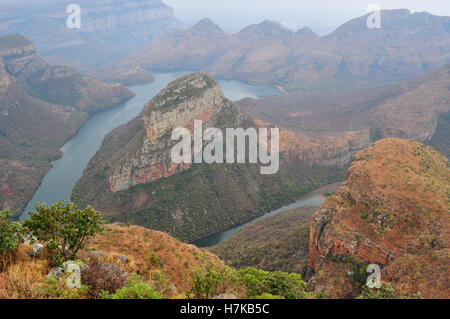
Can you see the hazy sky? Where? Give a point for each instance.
(321, 15)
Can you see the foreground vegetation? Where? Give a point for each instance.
(68, 233)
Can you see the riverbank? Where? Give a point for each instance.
(58, 182)
(314, 198)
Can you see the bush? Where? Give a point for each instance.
(103, 277)
(136, 289)
(64, 228)
(211, 281)
(11, 235)
(259, 282)
(384, 292)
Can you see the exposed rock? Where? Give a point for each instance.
(391, 211)
(109, 28)
(123, 259)
(56, 272)
(37, 248)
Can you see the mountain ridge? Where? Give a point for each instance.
(407, 45)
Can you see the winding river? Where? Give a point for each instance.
(314, 198)
(58, 183)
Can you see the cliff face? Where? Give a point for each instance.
(391, 211)
(56, 84)
(41, 106)
(407, 45)
(133, 178)
(176, 106)
(109, 28)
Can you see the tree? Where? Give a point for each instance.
(64, 228)
(11, 235)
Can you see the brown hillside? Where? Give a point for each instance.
(393, 210)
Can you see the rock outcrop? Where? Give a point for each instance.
(392, 211)
(109, 28)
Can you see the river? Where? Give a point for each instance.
(314, 198)
(59, 181)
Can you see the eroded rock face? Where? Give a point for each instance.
(195, 97)
(391, 211)
(108, 28)
(199, 97)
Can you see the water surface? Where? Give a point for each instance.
(58, 183)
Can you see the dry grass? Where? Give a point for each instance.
(151, 253)
(26, 275)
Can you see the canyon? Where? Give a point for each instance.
(109, 28)
(133, 171)
(41, 106)
(415, 109)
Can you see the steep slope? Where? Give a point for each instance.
(279, 242)
(132, 177)
(415, 109)
(41, 106)
(393, 211)
(406, 45)
(109, 28)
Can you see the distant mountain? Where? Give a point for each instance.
(406, 45)
(392, 211)
(132, 178)
(109, 28)
(416, 109)
(41, 106)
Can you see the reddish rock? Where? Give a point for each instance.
(391, 211)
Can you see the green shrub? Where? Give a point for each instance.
(211, 281)
(11, 235)
(64, 228)
(136, 289)
(384, 292)
(154, 260)
(259, 282)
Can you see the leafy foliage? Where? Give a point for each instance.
(384, 292)
(64, 228)
(211, 281)
(11, 235)
(259, 282)
(136, 289)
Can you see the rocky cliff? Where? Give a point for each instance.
(109, 28)
(41, 106)
(393, 210)
(406, 45)
(133, 178)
